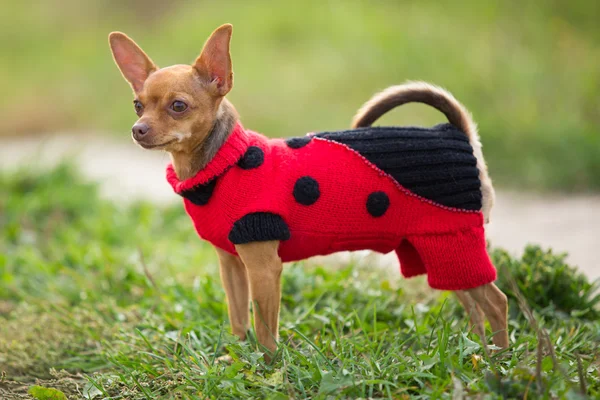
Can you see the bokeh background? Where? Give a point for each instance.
(529, 71)
(106, 289)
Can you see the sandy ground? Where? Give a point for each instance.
(565, 223)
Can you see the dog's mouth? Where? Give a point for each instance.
(151, 146)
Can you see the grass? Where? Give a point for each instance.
(99, 300)
(527, 70)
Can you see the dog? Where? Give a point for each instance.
(422, 192)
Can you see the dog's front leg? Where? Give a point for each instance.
(235, 283)
(264, 273)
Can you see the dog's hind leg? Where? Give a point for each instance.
(235, 283)
(495, 307)
(264, 274)
(473, 310)
(455, 261)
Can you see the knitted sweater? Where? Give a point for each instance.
(412, 190)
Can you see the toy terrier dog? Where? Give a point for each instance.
(421, 192)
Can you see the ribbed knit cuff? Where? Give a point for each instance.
(259, 227)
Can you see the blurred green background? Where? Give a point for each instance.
(529, 71)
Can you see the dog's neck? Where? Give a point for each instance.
(188, 164)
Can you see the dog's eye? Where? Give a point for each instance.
(178, 106)
(138, 107)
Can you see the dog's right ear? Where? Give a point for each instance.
(134, 64)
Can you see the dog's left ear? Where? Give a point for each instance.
(214, 62)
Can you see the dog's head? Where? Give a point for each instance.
(177, 105)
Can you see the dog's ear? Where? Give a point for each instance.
(134, 64)
(214, 62)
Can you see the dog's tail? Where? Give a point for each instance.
(457, 114)
(415, 92)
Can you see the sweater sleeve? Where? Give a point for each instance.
(259, 227)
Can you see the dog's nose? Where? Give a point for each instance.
(139, 130)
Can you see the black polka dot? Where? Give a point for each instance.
(298, 142)
(253, 158)
(200, 194)
(377, 203)
(306, 191)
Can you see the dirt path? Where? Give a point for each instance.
(565, 223)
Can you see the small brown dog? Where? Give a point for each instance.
(182, 110)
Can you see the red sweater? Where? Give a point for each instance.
(319, 196)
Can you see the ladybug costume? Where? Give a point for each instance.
(412, 190)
